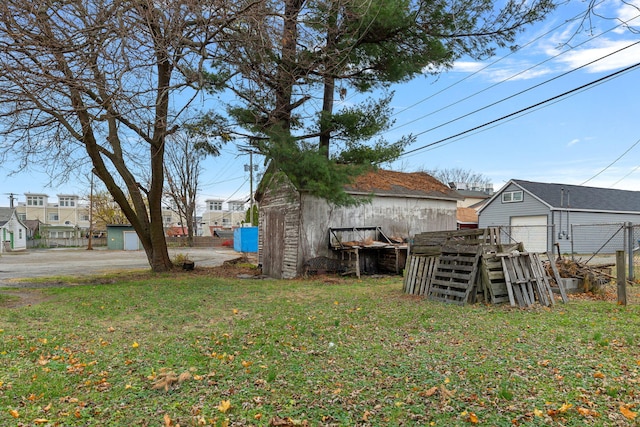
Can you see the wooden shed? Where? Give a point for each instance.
(295, 227)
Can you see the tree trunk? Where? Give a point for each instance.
(327, 110)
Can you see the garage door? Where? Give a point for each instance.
(531, 231)
(131, 242)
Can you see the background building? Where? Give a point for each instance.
(221, 215)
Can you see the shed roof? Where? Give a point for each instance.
(577, 197)
(391, 183)
(467, 215)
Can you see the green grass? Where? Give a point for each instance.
(350, 352)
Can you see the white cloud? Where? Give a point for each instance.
(573, 142)
(467, 66)
(580, 57)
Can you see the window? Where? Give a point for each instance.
(236, 206)
(53, 217)
(20, 233)
(215, 206)
(22, 216)
(35, 200)
(512, 196)
(84, 217)
(167, 220)
(67, 202)
(226, 221)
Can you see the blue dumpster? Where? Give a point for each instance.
(245, 239)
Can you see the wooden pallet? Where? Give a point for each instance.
(492, 280)
(454, 274)
(525, 279)
(418, 274)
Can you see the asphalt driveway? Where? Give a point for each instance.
(78, 262)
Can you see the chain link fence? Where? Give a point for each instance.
(591, 244)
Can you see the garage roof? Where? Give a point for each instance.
(577, 197)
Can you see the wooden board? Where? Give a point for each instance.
(556, 277)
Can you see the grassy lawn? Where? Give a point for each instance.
(190, 350)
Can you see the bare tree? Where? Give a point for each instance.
(106, 211)
(88, 81)
(184, 155)
(456, 176)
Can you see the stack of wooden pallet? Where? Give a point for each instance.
(472, 266)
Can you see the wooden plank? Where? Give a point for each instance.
(507, 278)
(419, 275)
(537, 262)
(424, 274)
(556, 276)
(431, 264)
(410, 275)
(406, 280)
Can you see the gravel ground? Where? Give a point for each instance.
(79, 262)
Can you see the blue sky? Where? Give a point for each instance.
(589, 137)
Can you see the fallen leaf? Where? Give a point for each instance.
(167, 421)
(628, 413)
(565, 407)
(598, 375)
(135, 344)
(586, 412)
(40, 421)
(473, 418)
(429, 392)
(224, 406)
(14, 413)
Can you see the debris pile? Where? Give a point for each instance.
(591, 278)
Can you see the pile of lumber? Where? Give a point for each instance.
(472, 266)
(593, 277)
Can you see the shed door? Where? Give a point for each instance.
(273, 246)
(531, 231)
(130, 240)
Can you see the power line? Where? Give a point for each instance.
(624, 177)
(582, 14)
(509, 78)
(614, 162)
(515, 113)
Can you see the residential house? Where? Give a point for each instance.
(66, 218)
(579, 219)
(474, 195)
(13, 233)
(295, 227)
(221, 215)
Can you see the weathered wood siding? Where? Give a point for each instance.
(397, 216)
(294, 228)
(278, 237)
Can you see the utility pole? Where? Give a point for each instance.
(12, 197)
(250, 167)
(90, 241)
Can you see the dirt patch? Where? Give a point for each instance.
(22, 298)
